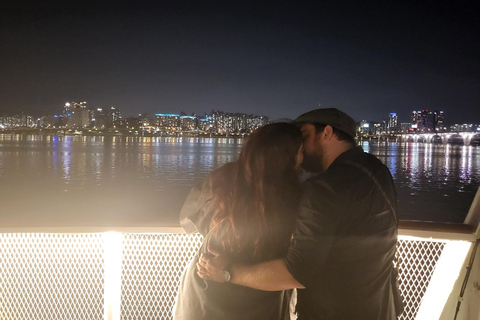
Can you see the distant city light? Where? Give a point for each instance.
(76, 115)
(167, 115)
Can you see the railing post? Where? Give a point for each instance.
(473, 216)
(113, 246)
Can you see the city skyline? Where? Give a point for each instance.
(78, 116)
(384, 117)
(280, 60)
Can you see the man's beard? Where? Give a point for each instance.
(313, 162)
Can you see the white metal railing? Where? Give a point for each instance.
(51, 276)
(136, 275)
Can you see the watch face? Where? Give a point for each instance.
(226, 276)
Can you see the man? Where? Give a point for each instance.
(342, 250)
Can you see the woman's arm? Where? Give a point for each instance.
(268, 276)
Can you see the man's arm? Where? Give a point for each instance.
(268, 276)
(314, 235)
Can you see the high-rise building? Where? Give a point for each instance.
(104, 118)
(130, 124)
(77, 114)
(217, 121)
(167, 122)
(145, 119)
(220, 121)
(188, 123)
(377, 128)
(364, 127)
(392, 123)
(415, 117)
(17, 121)
(384, 126)
(254, 122)
(439, 123)
(71, 106)
(206, 124)
(427, 121)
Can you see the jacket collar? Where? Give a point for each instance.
(348, 155)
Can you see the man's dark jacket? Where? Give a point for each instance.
(344, 244)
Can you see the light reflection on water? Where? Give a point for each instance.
(104, 179)
(149, 177)
(434, 182)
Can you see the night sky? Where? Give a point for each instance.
(273, 58)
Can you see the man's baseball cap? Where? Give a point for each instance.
(330, 116)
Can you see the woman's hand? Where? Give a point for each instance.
(210, 267)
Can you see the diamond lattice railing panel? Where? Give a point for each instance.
(51, 276)
(416, 264)
(59, 276)
(152, 266)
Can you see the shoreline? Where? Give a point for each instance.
(120, 133)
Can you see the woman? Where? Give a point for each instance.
(246, 212)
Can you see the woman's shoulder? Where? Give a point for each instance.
(195, 214)
(221, 176)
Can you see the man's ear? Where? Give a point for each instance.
(328, 133)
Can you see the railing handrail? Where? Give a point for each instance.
(93, 229)
(437, 230)
(422, 229)
(436, 226)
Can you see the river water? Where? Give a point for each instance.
(59, 181)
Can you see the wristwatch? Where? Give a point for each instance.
(227, 277)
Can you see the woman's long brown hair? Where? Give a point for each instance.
(256, 197)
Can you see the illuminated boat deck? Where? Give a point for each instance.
(134, 273)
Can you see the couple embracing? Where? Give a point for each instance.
(332, 237)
